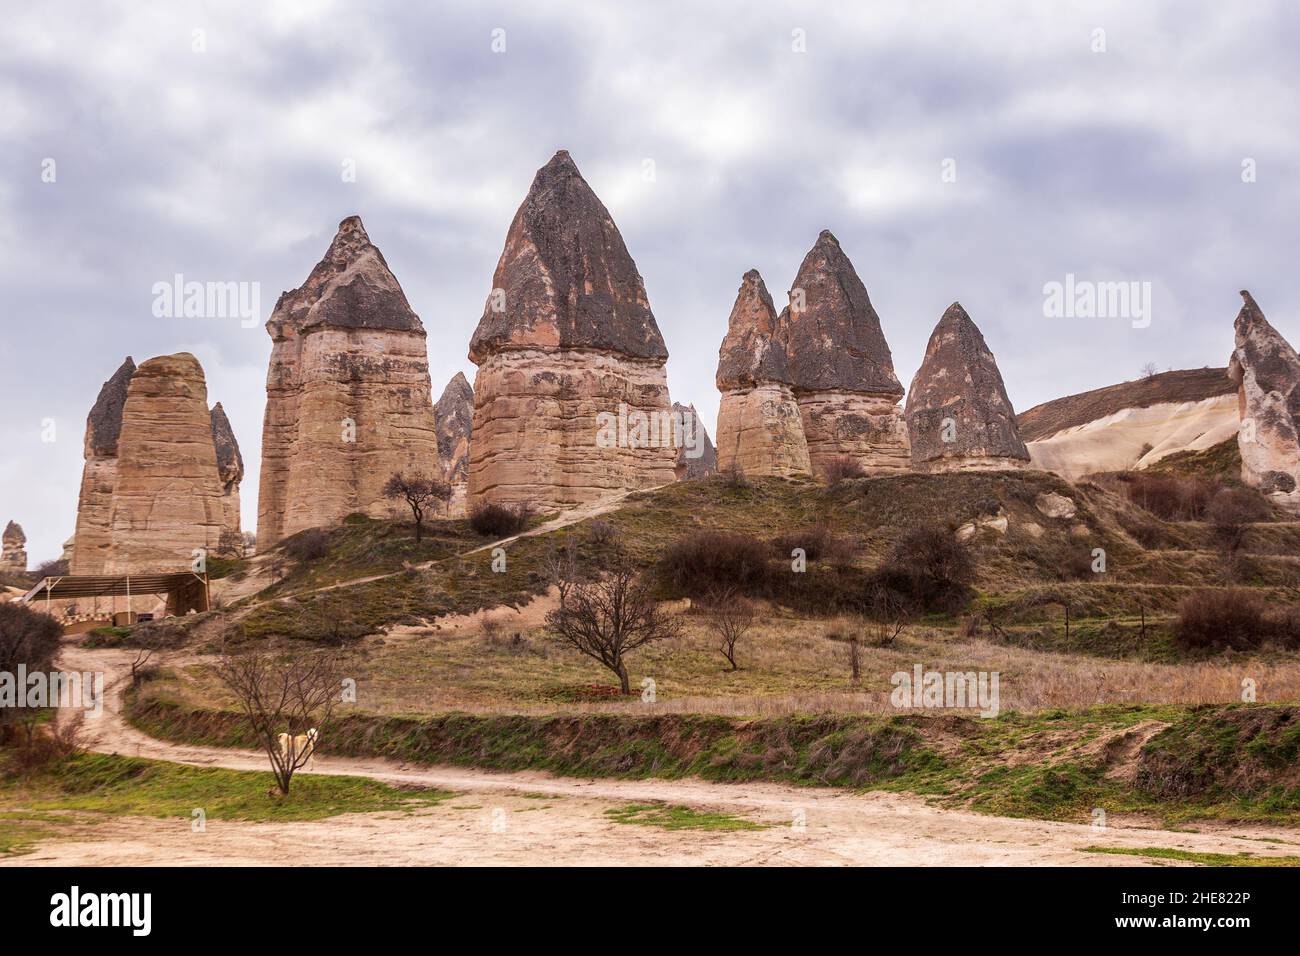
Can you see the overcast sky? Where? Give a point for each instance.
(219, 155)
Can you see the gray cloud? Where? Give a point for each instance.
(225, 165)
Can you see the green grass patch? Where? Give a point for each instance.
(1191, 856)
(669, 817)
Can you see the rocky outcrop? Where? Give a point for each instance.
(571, 399)
(347, 393)
(1131, 425)
(453, 416)
(230, 466)
(760, 429)
(167, 498)
(840, 367)
(13, 549)
(99, 473)
(1266, 370)
(959, 417)
(696, 456)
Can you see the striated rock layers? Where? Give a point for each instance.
(453, 416)
(840, 367)
(347, 393)
(760, 429)
(167, 498)
(571, 398)
(99, 474)
(13, 549)
(1267, 372)
(230, 466)
(696, 456)
(958, 415)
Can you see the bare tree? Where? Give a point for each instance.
(28, 639)
(419, 493)
(284, 695)
(609, 617)
(1149, 369)
(886, 616)
(562, 567)
(230, 544)
(733, 618)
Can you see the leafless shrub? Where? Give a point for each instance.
(230, 544)
(498, 521)
(610, 617)
(308, 546)
(30, 640)
(284, 695)
(733, 477)
(842, 468)
(732, 618)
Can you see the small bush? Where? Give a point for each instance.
(929, 569)
(842, 468)
(498, 521)
(308, 546)
(1230, 511)
(818, 541)
(1217, 620)
(704, 562)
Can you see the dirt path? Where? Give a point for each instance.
(533, 818)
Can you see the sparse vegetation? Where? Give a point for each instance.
(498, 521)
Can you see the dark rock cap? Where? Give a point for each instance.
(13, 534)
(453, 415)
(351, 288)
(104, 423)
(751, 352)
(835, 341)
(565, 278)
(230, 464)
(959, 380)
(1268, 355)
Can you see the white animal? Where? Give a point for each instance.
(299, 750)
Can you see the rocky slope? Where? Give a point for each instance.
(348, 392)
(1132, 424)
(571, 396)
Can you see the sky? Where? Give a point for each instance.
(959, 151)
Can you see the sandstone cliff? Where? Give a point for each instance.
(840, 366)
(453, 415)
(230, 466)
(571, 399)
(959, 417)
(696, 456)
(167, 498)
(347, 393)
(1266, 370)
(99, 474)
(760, 430)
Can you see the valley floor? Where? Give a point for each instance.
(534, 819)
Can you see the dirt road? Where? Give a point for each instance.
(530, 818)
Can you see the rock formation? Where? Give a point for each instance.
(1133, 424)
(571, 399)
(13, 549)
(958, 415)
(167, 499)
(347, 393)
(1267, 372)
(840, 367)
(99, 474)
(453, 416)
(760, 430)
(230, 466)
(696, 456)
